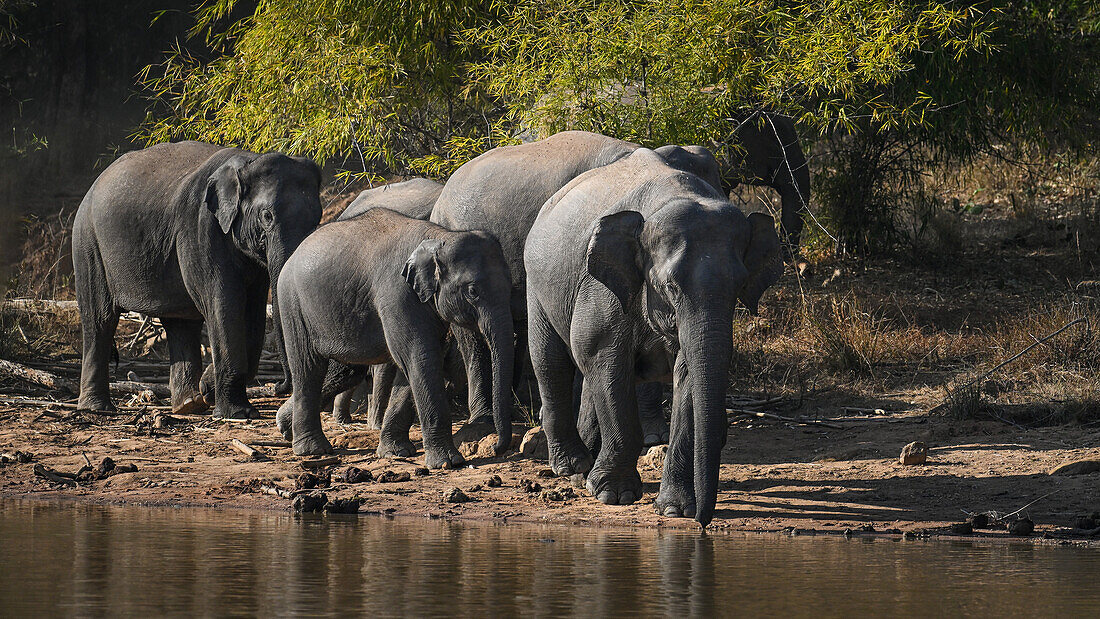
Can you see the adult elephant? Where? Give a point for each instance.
(633, 271)
(502, 190)
(412, 198)
(190, 232)
(766, 152)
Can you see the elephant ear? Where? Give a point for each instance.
(763, 260)
(421, 271)
(614, 254)
(224, 191)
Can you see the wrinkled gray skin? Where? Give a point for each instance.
(770, 155)
(190, 232)
(633, 271)
(501, 192)
(413, 198)
(392, 299)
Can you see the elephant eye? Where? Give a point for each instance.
(472, 291)
(266, 217)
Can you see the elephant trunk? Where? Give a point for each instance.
(707, 343)
(496, 327)
(275, 262)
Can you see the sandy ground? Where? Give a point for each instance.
(776, 476)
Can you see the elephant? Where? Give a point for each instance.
(190, 232)
(413, 198)
(767, 152)
(633, 271)
(354, 303)
(501, 192)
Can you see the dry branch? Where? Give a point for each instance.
(773, 417)
(56, 477)
(38, 377)
(251, 452)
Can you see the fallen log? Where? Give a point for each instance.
(131, 387)
(33, 402)
(42, 378)
(272, 443)
(774, 417)
(318, 463)
(56, 477)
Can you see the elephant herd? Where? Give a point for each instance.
(612, 268)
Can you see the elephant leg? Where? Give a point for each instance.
(614, 477)
(455, 371)
(652, 414)
(185, 355)
(677, 495)
(341, 406)
(98, 321)
(382, 377)
(587, 424)
(479, 372)
(340, 379)
(229, 332)
(418, 353)
(299, 418)
(400, 413)
(554, 371)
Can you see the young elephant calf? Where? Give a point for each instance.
(383, 286)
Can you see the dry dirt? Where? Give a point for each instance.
(776, 475)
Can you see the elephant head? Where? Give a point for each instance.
(267, 204)
(691, 261)
(466, 277)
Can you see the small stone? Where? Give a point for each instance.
(390, 477)
(530, 486)
(356, 475)
(577, 480)
(309, 481)
(655, 458)
(533, 444)
(421, 471)
(455, 495)
(546, 474)
(1023, 526)
(914, 453)
(494, 482)
(867, 528)
(962, 528)
(310, 503)
(1078, 467)
(476, 488)
(978, 521)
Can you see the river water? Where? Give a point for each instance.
(66, 559)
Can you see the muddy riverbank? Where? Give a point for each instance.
(841, 473)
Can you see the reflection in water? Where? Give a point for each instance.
(129, 560)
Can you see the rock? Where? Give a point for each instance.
(487, 447)
(473, 432)
(530, 486)
(962, 528)
(356, 439)
(421, 471)
(1077, 467)
(309, 481)
(914, 453)
(342, 506)
(655, 458)
(533, 444)
(390, 477)
(494, 482)
(978, 521)
(455, 495)
(1023, 526)
(468, 449)
(310, 503)
(356, 475)
(558, 494)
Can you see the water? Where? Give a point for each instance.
(65, 559)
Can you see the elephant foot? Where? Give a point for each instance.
(190, 406)
(483, 418)
(655, 433)
(395, 448)
(676, 498)
(236, 411)
(312, 444)
(95, 403)
(342, 417)
(567, 460)
(284, 420)
(283, 388)
(619, 486)
(446, 458)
